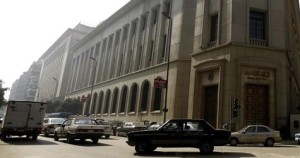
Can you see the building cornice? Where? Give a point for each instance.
(106, 23)
(236, 44)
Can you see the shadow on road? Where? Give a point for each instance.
(197, 154)
(262, 146)
(86, 143)
(24, 141)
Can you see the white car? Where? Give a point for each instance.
(79, 128)
(297, 138)
(255, 134)
(50, 124)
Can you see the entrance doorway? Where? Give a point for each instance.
(256, 104)
(210, 104)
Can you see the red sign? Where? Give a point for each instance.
(160, 83)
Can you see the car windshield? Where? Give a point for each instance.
(57, 120)
(85, 121)
(103, 123)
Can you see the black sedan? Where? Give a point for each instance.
(195, 133)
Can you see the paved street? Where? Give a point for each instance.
(115, 147)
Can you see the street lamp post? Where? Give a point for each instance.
(93, 79)
(56, 85)
(165, 14)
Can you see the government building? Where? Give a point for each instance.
(231, 63)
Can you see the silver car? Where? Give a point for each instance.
(79, 128)
(49, 125)
(255, 134)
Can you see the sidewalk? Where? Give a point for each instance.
(289, 141)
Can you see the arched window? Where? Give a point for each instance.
(107, 101)
(145, 94)
(87, 107)
(94, 103)
(100, 103)
(123, 99)
(133, 98)
(115, 100)
(157, 99)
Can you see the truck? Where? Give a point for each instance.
(23, 118)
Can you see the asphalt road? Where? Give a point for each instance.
(116, 147)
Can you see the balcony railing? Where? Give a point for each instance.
(258, 42)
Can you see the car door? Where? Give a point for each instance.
(192, 133)
(62, 130)
(168, 135)
(248, 135)
(262, 134)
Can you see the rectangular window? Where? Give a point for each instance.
(144, 20)
(154, 13)
(296, 124)
(257, 25)
(167, 7)
(151, 52)
(213, 28)
(164, 48)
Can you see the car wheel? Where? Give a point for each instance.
(70, 140)
(95, 140)
(56, 138)
(299, 142)
(206, 148)
(46, 134)
(233, 142)
(269, 142)
(142, 148)
(27, 137)
(34, 137)
(3, 137)
(107, 136)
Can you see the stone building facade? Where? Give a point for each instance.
(56, 64)
(249, 51)
(219, 51)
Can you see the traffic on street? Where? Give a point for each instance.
(116, 147)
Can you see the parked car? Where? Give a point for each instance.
(154, 126)
(255, 134)
(50, 124)
(178, 133)
(115, 124)
(129, 127)
(297, 138)
(108, 131)
(79, 128)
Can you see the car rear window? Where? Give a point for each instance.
(85, 122)
(57, 121)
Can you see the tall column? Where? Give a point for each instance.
(119, 55)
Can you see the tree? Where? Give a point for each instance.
(69, 105)
(2, 92)
(53, 106)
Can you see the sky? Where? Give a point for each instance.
(29, 27)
